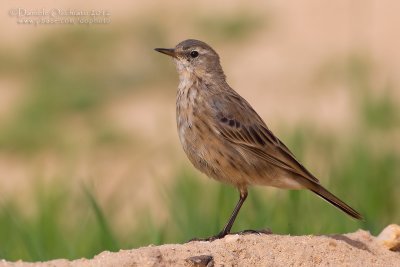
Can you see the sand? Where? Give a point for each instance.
(354, 249)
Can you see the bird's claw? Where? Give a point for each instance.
(222, 235)
(258, 232)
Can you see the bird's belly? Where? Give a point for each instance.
(207, 153)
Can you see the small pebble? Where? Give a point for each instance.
(201, 261)
(390, 237)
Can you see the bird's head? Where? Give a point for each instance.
(193, 57)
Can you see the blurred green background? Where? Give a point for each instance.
(89, 155)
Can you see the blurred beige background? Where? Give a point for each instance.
(287, 63)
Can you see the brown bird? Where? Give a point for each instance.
(225, 138)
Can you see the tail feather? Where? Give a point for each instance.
(328, 196)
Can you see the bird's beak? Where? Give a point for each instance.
(167, 51)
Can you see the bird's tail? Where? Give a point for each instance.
(328, 196)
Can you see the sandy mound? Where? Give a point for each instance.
(355, 249)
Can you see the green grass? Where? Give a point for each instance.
(52, 232)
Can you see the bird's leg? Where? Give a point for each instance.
(228, 226)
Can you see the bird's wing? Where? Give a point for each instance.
(240, 125)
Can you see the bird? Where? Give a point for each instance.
(225, 138)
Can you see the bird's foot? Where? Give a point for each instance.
(258, 232)
(222, 234)
(211, 238)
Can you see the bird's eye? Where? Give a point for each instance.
(194, 54)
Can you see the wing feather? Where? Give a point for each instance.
(249, 132)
